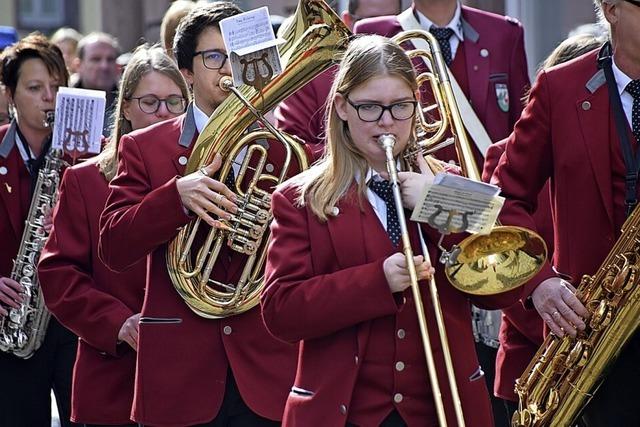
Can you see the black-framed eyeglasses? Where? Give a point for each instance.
(368, 112)
(150, 104)
(212, 59)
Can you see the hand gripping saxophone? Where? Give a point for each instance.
(22, 331)
(565, 372)
(314, 37)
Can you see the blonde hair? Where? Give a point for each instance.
(145, 59)
(328, 181)
(178, 10)
(66, 34)
(572, 47)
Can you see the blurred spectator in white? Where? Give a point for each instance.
(98, 70)
(170, 21)
(592, 29)
(67, 40)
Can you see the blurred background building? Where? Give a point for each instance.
(546, 22)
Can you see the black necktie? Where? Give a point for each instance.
(443, 35)
(384, 191)
(230, 179)
(633, 88)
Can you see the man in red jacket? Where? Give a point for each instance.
(487, 59)
(573, 133)
(190, 370)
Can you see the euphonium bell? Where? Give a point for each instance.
(313, 38)
(482, 264)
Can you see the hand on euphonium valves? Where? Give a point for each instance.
(397, 273)
(412, 183)
(10, 294)
(205, 196)
(558, 306)
(129, 331)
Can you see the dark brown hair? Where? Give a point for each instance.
(35, 45)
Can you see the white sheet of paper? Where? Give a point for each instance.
(79, 119)
(249, 38)
(446, 209)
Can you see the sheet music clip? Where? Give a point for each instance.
(252, 47)
(79, 117)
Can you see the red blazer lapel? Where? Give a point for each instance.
(10, 189)
(477, 66)
(346, 232)
(591, 109)
(345, 229)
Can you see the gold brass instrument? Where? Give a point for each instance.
(313, 38)
(387, 142)
(482, 264)
(565, 372)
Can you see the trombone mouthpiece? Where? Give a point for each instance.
(225, 83)
(387, 140)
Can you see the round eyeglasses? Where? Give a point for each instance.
(150, 104)
(212, 59)
(373, 112)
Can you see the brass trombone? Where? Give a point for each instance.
(482, 264)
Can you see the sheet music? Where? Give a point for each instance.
(78, 122)
(456, 204)
(252, 47)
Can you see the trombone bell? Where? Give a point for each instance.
(489, 264)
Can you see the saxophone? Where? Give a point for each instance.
(565, 372)
(22, 331)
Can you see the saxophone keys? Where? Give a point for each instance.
(601, 315)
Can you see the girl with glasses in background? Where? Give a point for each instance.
(101, 306)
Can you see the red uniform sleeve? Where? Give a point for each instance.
(137, 218)
(65, 275)
(525, 167)
(299, 304)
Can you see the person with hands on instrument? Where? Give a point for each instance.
(31, 70)
(336, 277)
(101, 306)
(237, 374)
(573, 134)
(204, 195)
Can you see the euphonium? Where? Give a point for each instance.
(565, 372)
(22, 331)
(313, 38)
(482, 264)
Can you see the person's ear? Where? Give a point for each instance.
(188, 75)
(126, 109)
(340, 104)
